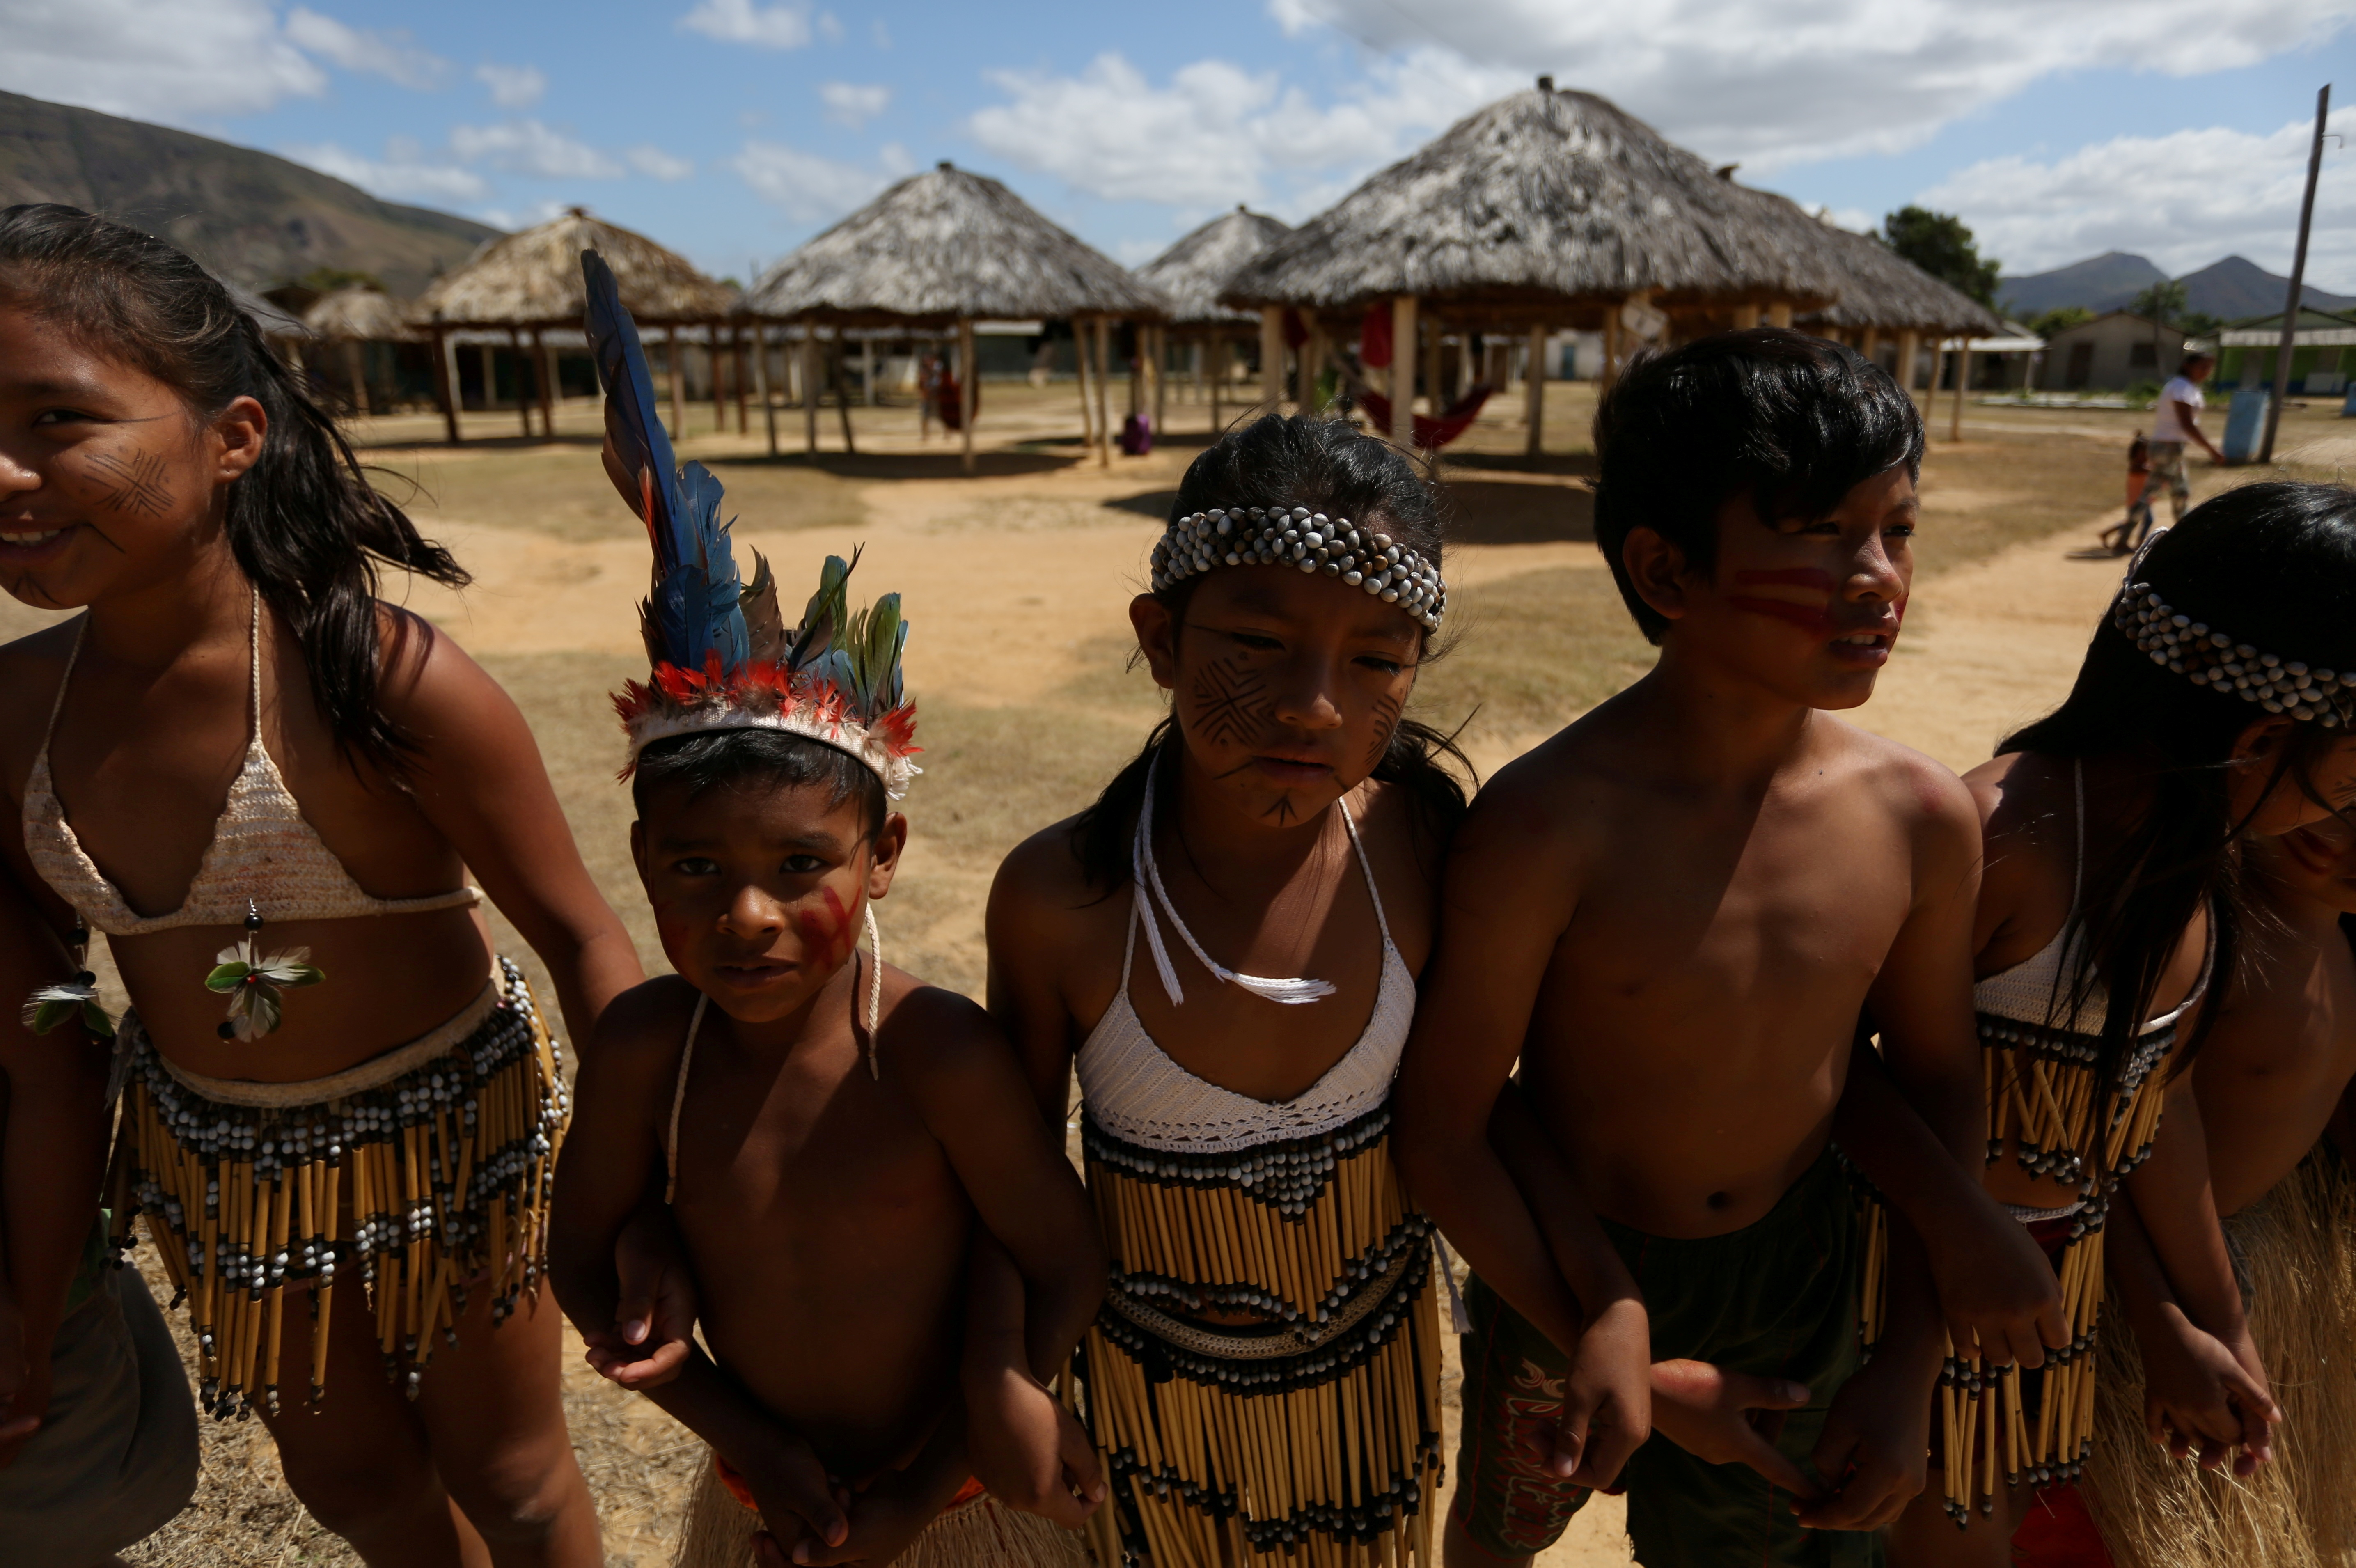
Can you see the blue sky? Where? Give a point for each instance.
(732, 129)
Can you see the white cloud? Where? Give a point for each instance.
(389, 55)
(1781, 81)
(807, 188)
(1217, 133)
(529, 147)
(785, 26)
(654, 161)
(2182, 199)
(513, 86)
(847, 103)
(170, 61)
(403, 174)
(829, 27)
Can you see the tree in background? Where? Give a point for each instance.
(2163, 306)
(2060, 319)
(1941, 245)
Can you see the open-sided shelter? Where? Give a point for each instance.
(1884, 297)
(1545, 212)
(940, 251)
(1192, 274)
(531, 284)
(349, 322)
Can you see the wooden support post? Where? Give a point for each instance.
(761, 382)
(551, 391)
(1962, 378)
(1271, 359)
(1780, 313)
(1219, 354)
(523, 365)
(967, 376)
(736, 375)
(1612, 356)
(1104, 395)
(1869, 341)
(1746, 317)
(445, 380)
(867, 371)
(678, 382)
(838, 365)
(356, 373)
(711, 356)
(1909, 346)
(1537, 391)
(1082, 332)
(1403, 371)
(1138, 336)
(808, 357)
(1161, 379)
(1312, 368)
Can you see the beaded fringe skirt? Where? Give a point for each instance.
(1308, 1429)
(418, 1178)
(2296, 1251)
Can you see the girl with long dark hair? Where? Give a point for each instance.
(2213, 707)
(270, 789)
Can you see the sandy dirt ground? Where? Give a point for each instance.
(1017, 583)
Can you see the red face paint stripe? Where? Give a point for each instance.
(1790, 578)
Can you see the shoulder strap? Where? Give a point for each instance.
(1366, 867)
(57, 703)
(678, 1099)
(253, 663)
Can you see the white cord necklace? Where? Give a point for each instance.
(1148, 875)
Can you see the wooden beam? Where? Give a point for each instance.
(1082, 331)
(1780, 313)
(1869, 341)
(837, 374)
(356, 373)
(1219, 355)
(551, 391)
(1909, 346)
(523, 363)
(1104, 393)
(1161, 379)
(808, 357)
(1271, 359)
(1537, 391)
(761, 382)
(1746, 317)
(445, 380)
(736, 374)
(1610, 345)
(678, 382)
(1963, 377)
(969, 377)
(1403, 371)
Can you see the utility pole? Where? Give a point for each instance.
(2298, 273)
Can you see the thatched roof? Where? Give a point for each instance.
(534, 278)
(273, 322)
(361, 312)
(1883, 290)
(942, 245)
(1192, 271)
(1545, 205)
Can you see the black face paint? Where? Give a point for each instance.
(133, 484)
(1230, 704)
(1387, 718)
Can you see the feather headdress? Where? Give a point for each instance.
(722, 657)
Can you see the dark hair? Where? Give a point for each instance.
(307, 529)
(767, 758)
(1328, 465)
(2198, 357)
(2272, 563)
(1793, 421)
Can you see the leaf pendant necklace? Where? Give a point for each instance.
(255, 986)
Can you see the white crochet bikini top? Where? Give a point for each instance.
(262, 850)
(1135, 1091)
(2035, 990)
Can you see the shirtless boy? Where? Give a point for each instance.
(1674, 913)
(829, 1153)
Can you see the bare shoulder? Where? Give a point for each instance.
(1043, 900)
(932, 1039)
(30, 669)
(1553, 799)
(427, 681)
(638, 1037)
(1923, 792)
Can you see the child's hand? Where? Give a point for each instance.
(885, 1519)
(654, 1322)
(1997, 1289)
(2205, 1396)
(1873, 1451)
(1607, 1405)
(803, 1508)
(1730, 1418)
(1031, 1452)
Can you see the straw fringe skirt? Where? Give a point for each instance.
(978, 1533)
(2298, 1248)
(419, 1176)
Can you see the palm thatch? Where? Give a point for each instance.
(1882, 291)
(945, 245)
(534, 279)
(1192, 271)
(1544, 206)
(361, 313)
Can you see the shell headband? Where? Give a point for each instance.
(722, 654)
(1273, 536)
(2207, 657)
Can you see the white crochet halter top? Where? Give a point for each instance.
(264, 854)
(1135, 1091)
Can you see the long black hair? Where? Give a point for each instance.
(2271, 563)
(306, 527)
(1328, 465)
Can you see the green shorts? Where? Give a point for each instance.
(1777, 1298)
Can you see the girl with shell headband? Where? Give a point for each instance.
(2213, 707)
(1264, 1377)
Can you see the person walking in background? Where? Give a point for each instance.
(2125, 535)
(2175, 421)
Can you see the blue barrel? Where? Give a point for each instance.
(2348, 407)
(2246, 424)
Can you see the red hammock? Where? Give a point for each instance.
(1430, 434)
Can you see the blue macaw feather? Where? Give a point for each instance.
(694, 609)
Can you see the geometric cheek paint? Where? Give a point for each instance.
(828, 936)
(1805, 602)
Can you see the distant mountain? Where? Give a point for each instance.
(255, 219)
(2099, 283)
(2237, 287)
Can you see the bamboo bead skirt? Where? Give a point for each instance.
(426, 1172)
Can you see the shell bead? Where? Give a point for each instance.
(1234, 536)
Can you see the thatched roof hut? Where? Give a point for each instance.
(361, 313)
(1883, 292)
(533, 279)
(1195, 271)
(940, 251)
(1545, 204)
